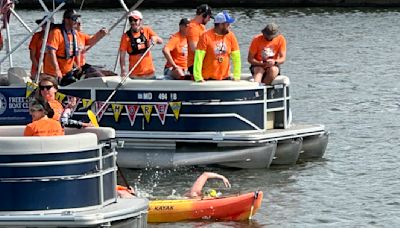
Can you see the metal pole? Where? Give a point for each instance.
(9, 52)
(33, 31)
(44, 5)
(20, 20)
(42, 50)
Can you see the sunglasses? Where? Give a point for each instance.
(47, 87)
(132, 19)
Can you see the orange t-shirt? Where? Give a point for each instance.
(145, 67)
(264, 49)
(194, 31)
(36, 44)
(178, 47)
(216, 64)
(57, 108)
(44, 127)
(56, 42)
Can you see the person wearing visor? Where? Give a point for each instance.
(35, 46)
(63, 47)
(175, 51)
(197, 27)
(266, 53)
(42, 123)
(135, 42)
(214, 50)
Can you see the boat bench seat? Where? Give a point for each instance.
(12, 140)
(18, 76)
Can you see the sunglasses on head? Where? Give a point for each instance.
(43, 87)
(132, 19)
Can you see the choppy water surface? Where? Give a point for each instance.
(344, 68)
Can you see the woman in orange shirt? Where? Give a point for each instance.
(48, 87)
(41, 124)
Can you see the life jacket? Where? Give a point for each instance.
(139, 44)
(75, 51)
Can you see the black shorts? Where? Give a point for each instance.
(190, 69)
(252, 69)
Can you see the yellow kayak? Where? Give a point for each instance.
(234, 208)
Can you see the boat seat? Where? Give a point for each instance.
(103, 133)
(281, 79)
(46, 144)
(18, 76)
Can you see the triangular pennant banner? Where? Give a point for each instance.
(60, 97)
(86, 102)
(99, 104)
(132, 110)
(161, 110)
(176, 108)
(73, 102)
(117, 109)
(30, 87)
(147, 109)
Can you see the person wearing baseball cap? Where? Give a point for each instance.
(267, 53)
(136, 41)
(196, 27)
(175, 51)
(214, 50)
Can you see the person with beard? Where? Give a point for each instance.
(214, 50)
(196, 27)
(135, 42)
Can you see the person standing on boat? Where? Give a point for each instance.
(214, 49)
(42, 123)
(35, 46)
(197, 27)
(175, 51)
(48, 87)
(135, 42)
(198, 185)
(63, 47)
(266, 53)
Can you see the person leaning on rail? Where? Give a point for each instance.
(136, 41)
(42, 122)
(196, 27)
(214, 50)
(266, 53)
(63, 47)
(175, 51)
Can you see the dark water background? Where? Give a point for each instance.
(344, 69)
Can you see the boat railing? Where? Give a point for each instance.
(61, 172)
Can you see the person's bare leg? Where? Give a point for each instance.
(258, 74)
(270, 75)
(177, 73)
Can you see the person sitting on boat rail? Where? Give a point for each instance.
(42, 123)
(135, 42)
(266, 53)
(62, 46)
(35, 46)
(198, 185)
(175, 51)
(214, 49)
(48, 88)
(197, 27)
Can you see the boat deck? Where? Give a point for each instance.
(133, 208)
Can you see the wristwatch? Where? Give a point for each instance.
(276, 63)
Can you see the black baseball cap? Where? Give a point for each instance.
(70, 14)
(184, 21)
(204, 9)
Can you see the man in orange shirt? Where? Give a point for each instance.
(63, 46)
(266, 53)
(175, 51)
(214, 49)
(197, 27)
(35, 46)
(135, 42)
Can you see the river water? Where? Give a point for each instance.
(344, 69)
